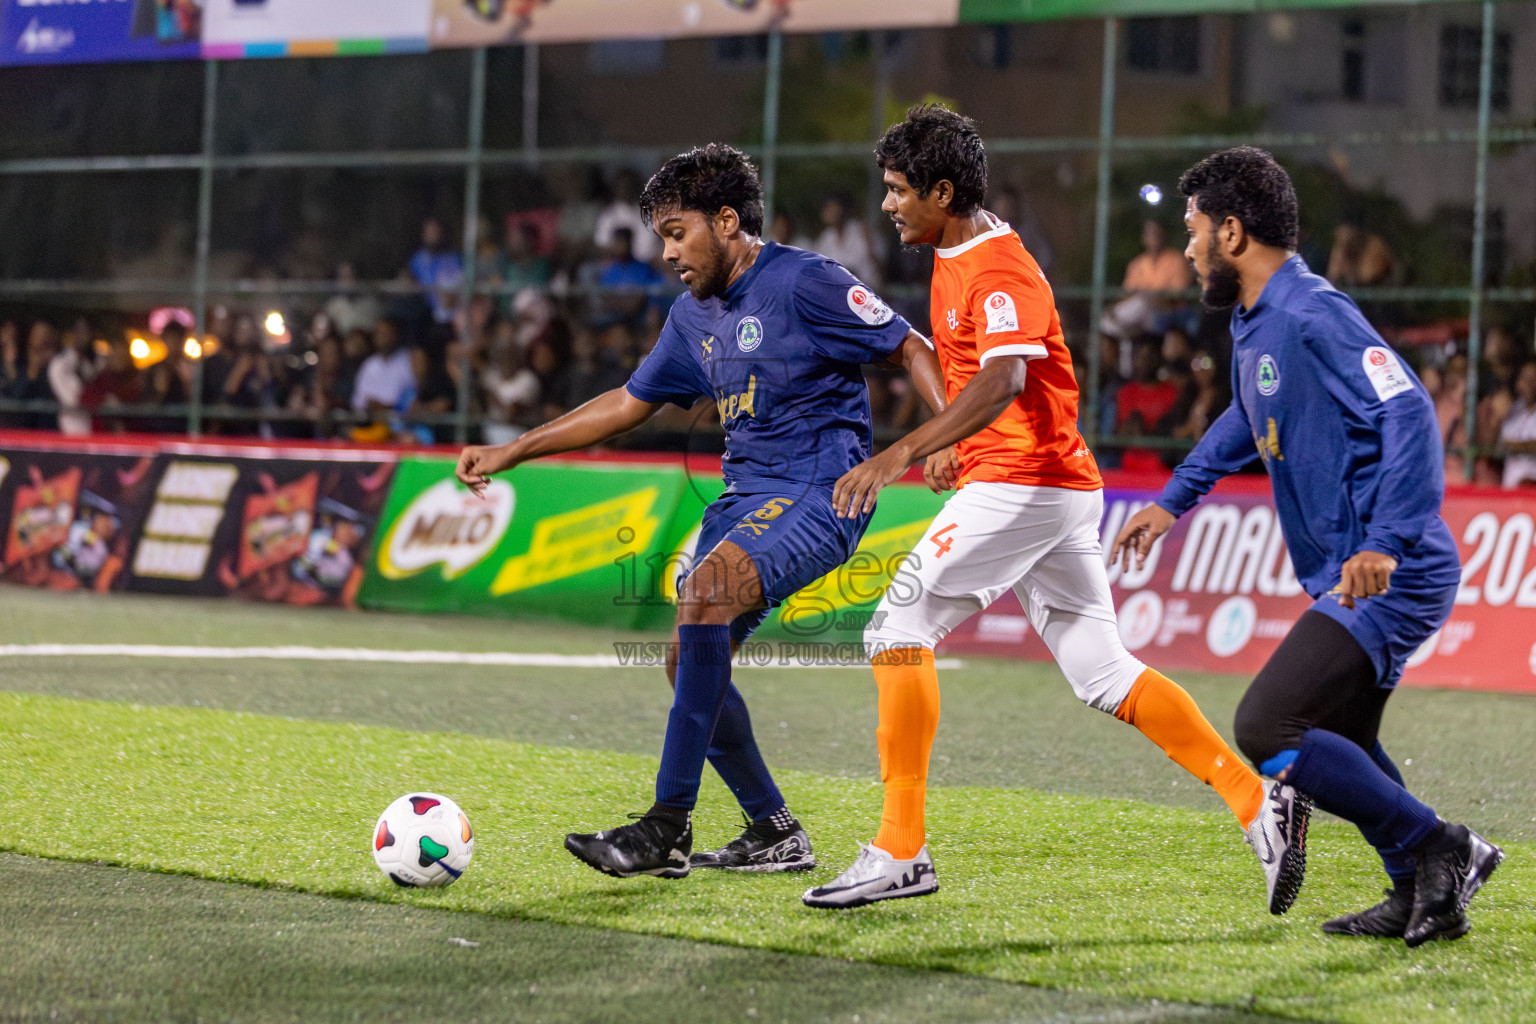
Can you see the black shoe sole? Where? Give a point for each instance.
(1293, 867)
(1347, 929)
(575, 851)
(1456, 925)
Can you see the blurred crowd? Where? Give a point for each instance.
(566, 301)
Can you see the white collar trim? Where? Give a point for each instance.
(999, 230)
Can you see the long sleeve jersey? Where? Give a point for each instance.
(1346, 431)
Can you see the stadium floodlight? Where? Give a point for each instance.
(1151, 194)
(275, 325)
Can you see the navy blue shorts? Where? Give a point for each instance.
(793, 538)
(1390, 627)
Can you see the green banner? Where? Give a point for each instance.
(547, 539)
(599, 543)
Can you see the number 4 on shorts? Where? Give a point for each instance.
(941, 542)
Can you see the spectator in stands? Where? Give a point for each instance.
(511, 390)
(438, 269)
(356, 347)
(1496, 390)
(432, 393)
(1142, 407)
(783, 231)
(1206, 397)
(1359, 258)
(384, 377)
(624, 212)
(117, 384)
(169, 382)
(1451, 412)
(845, 239)
(68, 374)
(31, 382)
(350, 309)
(1517, 436)
(597, 365)
(522, 266)
(245, 378)
(1159, 267)
(628, 285)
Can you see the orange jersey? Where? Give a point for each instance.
(990, 299)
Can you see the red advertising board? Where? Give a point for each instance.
(1217, 594)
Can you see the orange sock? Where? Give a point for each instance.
(1168, 716)
(909, 717)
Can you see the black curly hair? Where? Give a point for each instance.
(1246, 183)
(936, 144)
(707, 179)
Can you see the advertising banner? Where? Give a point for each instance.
(304, 28)
(288, 530)
(491, 22)
(1218, 593)
(86, 31)
(68, 518)
(587, 542)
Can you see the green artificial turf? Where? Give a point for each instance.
(93, 942)
(1111, 897)
(1005, 723)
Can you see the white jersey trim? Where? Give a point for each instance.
(999, 230)
(1027, 351)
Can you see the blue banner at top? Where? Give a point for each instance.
(86, 31)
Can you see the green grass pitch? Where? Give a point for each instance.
(1072, 856)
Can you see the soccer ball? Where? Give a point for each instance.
(423, 841)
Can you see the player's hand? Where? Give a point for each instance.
(1138, 535)
(855, 491)
(478, 461)
(1367, 574)
(942, 470)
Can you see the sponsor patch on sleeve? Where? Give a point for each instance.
(1385, 373)
(1002, 315)
(867, 306)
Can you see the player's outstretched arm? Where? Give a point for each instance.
(981, 401)
(607, 415)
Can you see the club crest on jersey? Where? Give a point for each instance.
(1269, 376)
(749, 334)
(866, 305)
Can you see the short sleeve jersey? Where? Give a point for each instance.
(780, 354)
(991, 299)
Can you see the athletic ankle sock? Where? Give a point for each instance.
(676, 816)
(909, 717)
(703, 672)
(734, 755)
(1400, 867)
(1342, 779)
(781, 819)
(1169, 717)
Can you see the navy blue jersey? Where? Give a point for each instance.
(779, 353)
(1347, 432)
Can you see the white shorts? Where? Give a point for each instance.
(1041, 541)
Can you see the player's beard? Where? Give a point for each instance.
(710, 280)
(1222, 283)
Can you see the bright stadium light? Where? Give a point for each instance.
(275, 325)
(138, 348)
(193, 349)
(1151, 194)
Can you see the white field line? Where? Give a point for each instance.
(364, 654)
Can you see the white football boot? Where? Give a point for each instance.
(876, 875)
(1279, 839)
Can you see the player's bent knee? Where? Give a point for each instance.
(1259, 733)
(887, 632)
(1105, 687)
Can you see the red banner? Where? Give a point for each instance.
(1218, 593)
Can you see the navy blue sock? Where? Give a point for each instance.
(1400, 867)
(1343, 779)
(703, 676)
(733, 753)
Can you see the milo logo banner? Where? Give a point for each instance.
(289, 530)
(583, 542)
